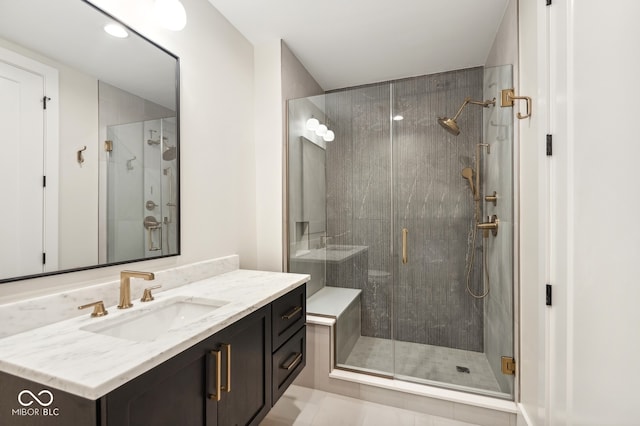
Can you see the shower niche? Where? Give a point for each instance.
(434, 292)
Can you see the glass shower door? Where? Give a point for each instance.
(442, 327)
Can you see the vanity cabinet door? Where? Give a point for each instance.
(246, 398)
(172, 393)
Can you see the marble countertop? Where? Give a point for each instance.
(91, 365)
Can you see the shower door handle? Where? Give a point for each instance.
(405, 256)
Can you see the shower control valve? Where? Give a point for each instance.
(490, 225)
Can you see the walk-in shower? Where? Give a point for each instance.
(394, 219)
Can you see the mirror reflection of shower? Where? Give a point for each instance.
(143, 172)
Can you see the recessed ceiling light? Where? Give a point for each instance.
(116, 30)
(398, 117)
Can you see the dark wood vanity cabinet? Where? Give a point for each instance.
(288, 319)
(223, 380)
(231, 378)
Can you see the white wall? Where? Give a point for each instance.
(218, 194)
(269, 152)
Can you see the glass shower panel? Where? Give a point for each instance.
(440, 323)
(125, 177)
(359, 194)
(499, 179)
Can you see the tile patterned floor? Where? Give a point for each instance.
(426, 362)
(310, 407)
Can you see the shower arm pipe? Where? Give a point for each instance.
(484, 104)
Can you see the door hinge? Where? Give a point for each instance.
(549, 2)
(548, 298)
(508, 365)
(44, 102)
(108, 146)
(549, 145)
(44, 181)
(44, 258)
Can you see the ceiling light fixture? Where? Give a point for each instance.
(116, 30)
(170, 14)
(398, 117)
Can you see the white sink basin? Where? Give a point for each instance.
(149, 324)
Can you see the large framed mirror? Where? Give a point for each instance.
(89, 169)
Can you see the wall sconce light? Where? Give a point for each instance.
(321, 130)
(170, 14)
(314, 125)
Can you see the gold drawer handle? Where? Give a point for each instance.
(217, 395)
(296, 360)
(227, 387)
(292, 313)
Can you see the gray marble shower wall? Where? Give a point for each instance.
(384, 175)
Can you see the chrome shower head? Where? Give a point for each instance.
(450, 124)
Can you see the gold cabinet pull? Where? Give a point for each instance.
(292, 313)
(291, 364)
(216, 396)
(405, 256)
(227, 387)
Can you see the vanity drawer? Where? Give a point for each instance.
(288, 361)
(289, 313)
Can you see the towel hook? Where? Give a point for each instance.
(80, 156)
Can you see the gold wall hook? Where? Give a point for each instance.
(508, 97)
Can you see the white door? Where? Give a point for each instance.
(21, 172)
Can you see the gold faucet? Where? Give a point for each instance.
(125, 286)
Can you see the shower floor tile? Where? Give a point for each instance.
(426, 362)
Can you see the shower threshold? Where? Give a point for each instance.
(449, 368)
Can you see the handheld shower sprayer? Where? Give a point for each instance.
(467, 173)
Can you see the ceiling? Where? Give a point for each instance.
(345, 43)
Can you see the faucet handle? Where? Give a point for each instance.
(98, 308)
(146, 295)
